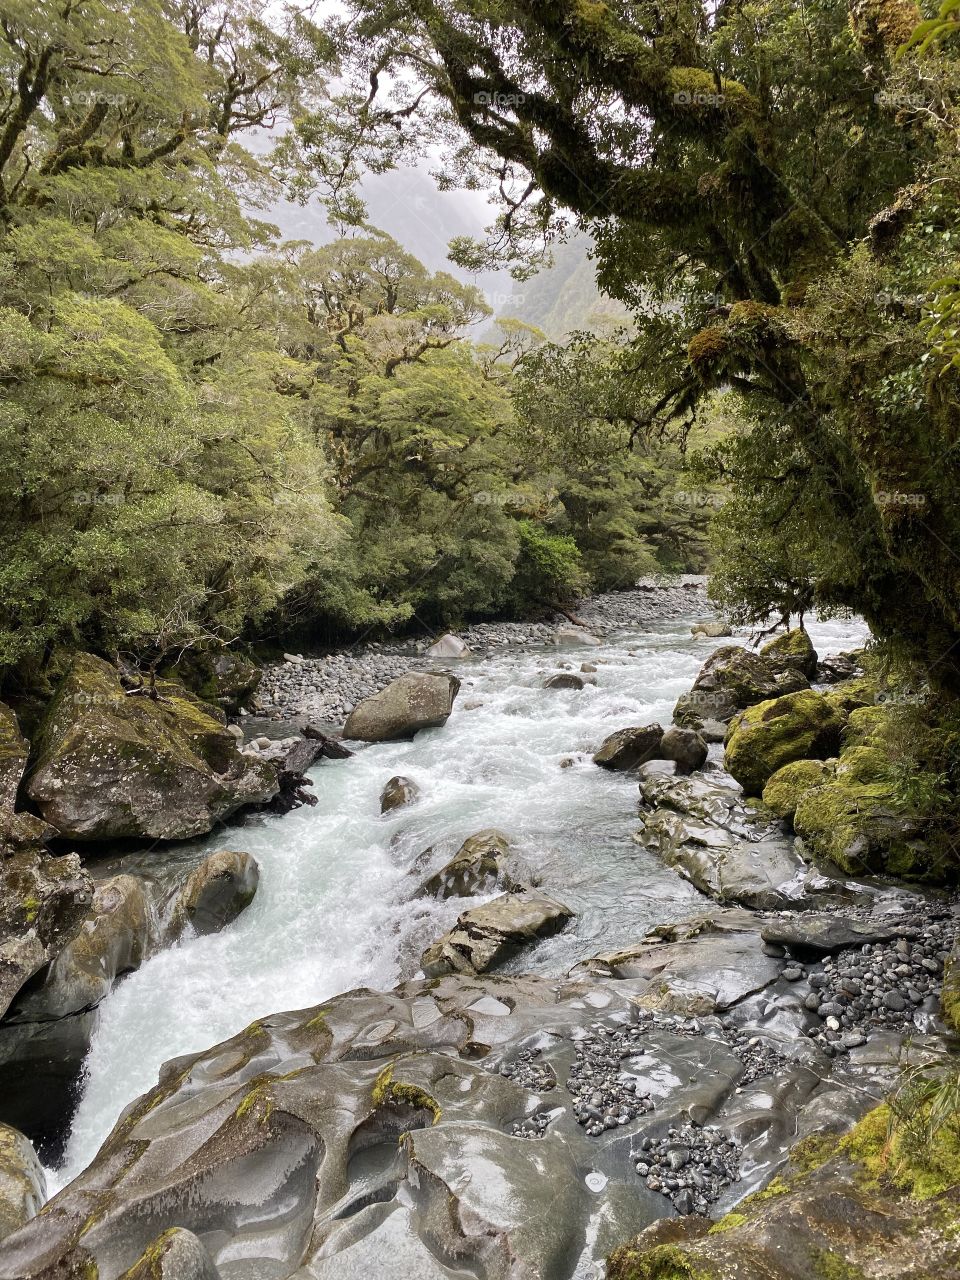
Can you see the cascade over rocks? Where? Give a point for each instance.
(484, 863)
(485, 936)
(413, 702)
(108, 764)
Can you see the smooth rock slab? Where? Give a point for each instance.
(487, 935)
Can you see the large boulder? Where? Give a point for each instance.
(110, 764)
(485, 936)
(215, 893)
(225, 679)
(860, 828)
(629, 748)
(23, 1186)
(792, 651)
(484, 863)
(730, 680)
(415, 701)
(785, 788)
(765, 737)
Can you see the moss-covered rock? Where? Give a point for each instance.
(767, 736)
(868, 726)
(731, 679)
(950, 992)
(849, 695)
(224, 679)
(858, 827)
(14, 750)
(215, 893)
(22, 1182)
(784, 788)
(109, 764)
(177, 1254)
(792, 650)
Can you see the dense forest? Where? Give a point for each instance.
(730, 350)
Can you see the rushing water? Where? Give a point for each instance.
(334, 910)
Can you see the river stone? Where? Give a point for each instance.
(765, 737)
(408, 704)
(485, 936)
(397, 792)
(575, 636)
(713, 629)
(822, 934)
(366, 1138)
(448, 646)
(564, 680)
(111, 765)
(215, 893)
(731, 679)
(792, 651)
(23, 1186)
(685, 746)
(629, 748)
(484, 863)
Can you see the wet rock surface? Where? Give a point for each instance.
(22, 1181)
(484, 863)
(390, 1127)
(485, 936)
(408, 704)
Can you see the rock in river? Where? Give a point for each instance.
(215, 893)
(629, 748)
(109, 764)
(484, 862)
(411, 703)
(487, 935)
(765, 737)
(685, 747)
(397, 793)
(731, 679)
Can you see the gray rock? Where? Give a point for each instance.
(485, 936)
(223, 886)
(407, 705)
(175, 1255)
(575, 636)
(484, 862)
(730, 680)
(564, 680)
(629, 748)
(14, 750)
(23, 1187)
(822, 934)
(112, 764)
(713, 630)
(398, 791)
(685, 746)
(448, 646)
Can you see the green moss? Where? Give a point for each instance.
(765, 737)
(877, 1145)
(389, 1092)
(794, 649)
(812, 1152)
(31, 908)
(854, 825)
(662, 1262)
(318, 1022)
(784, 789)
(830, 1266)
(851, 695)
(729, 1222)
(863, 764)
(258, 1097)
(950, 992)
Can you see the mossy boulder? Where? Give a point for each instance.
(767, 736)
(950, 992)
(868, 726)
(225, 679)
(110, 764)
(850, 695)
(858, 827)
(784, 788)
(792, 651)
(731, 679)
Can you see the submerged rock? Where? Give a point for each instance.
(399, 791)
(629, 748)
(770, 734)
(484, 863)
(109, 764)
(215, 893)
(485, 936)
(564, 680)
(403, 708)
(23, 1186)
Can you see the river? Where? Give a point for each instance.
(334, 910)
